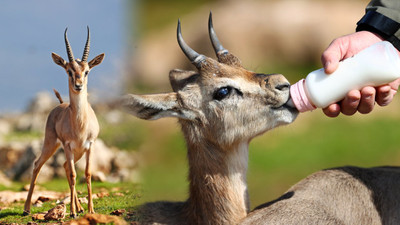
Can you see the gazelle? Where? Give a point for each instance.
(338, 196)
(73, 125)
(220, 107)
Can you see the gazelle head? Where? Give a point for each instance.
(77, 69)
(221, 101)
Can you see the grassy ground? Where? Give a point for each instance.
(120, 196)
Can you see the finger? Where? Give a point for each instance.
(349, 104)
(384, 95)
(395, 84)
(332, 110)
(367, 100)
(331, 56)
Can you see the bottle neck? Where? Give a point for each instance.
(299, 97)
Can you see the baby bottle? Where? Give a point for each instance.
(376, 65)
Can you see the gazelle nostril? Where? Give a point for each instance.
(282, 87)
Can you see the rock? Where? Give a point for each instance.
(38, 203)
(42, 103)
(83, 200)
(65, 200)
(102, 157)
(25, 162)
(124, 175)
(5, 127)
(44, 198)
(99, 176)
(7, 197)
(22, 170)
(124, 159)
(56, 213)
(19, 158)
(4, 180)
(38, 216)
(113, 117)
(11, 153)
(31, 223)
(118, 212)
(34, 119)
(101, 195)
(31, 122)
(125, 165)
(27, 186)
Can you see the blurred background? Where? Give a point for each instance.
(139, 40)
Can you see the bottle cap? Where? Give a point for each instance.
(299, 97)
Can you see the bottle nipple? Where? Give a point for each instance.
(299, 97)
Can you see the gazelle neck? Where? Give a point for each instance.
(79, 104)
(218, 187)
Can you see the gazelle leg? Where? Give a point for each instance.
(50, 145)
(88, 174)
(71, 174)
(78, 206)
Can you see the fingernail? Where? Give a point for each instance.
(326, 65)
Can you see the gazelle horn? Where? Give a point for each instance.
(87, 47)
(194, 57)
(218, 48)
(69, 50)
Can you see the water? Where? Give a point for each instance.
(31, 30)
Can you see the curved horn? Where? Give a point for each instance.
(193, 56)
(69, 50)
(87, 47)
(214, 39)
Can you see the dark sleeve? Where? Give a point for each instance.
(383, 17)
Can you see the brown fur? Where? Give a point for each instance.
(73, 125)
(58, 96)
(345, 195)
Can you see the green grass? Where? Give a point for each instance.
(128, 135)
(106, 205)
(22, 136)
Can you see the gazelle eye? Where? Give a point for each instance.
(70, 73)
(222, 93)
(86, 73)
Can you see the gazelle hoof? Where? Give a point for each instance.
(73, 216)
(25, 213)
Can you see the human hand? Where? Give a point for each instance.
(362, 100)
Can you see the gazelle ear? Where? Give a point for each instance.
(180, 78)
(152, 107)
(96, 61)
(58, 60)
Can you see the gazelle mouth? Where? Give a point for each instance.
(288, 105)
(78, 88)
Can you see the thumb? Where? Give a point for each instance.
(330, 59)
(335, 52)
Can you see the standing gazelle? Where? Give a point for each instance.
(221, 107)
(73, 125)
